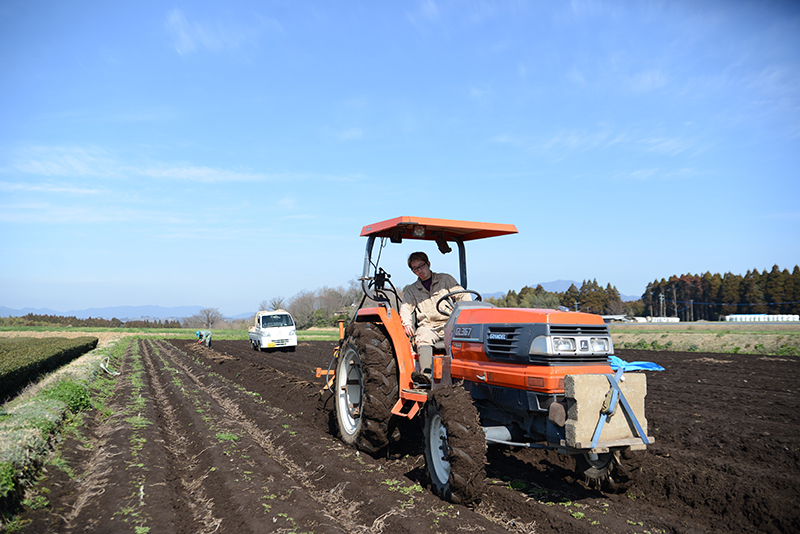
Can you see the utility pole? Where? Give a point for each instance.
(674, 301)
(576, 305)
(661, 305)
(691, 310)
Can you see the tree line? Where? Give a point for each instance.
(32, 319)
(709, 296)
(688, 296)
(591, 297)
(323, 307)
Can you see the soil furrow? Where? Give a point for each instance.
(251, 438)
(188, 497)
(243, 460)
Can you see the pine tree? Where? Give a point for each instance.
(729, 293)
(774, 288)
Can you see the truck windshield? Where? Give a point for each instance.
(269, 321)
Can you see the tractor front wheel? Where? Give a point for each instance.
(455, 446)
(366, 388)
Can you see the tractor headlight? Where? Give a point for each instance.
(598, 344)
(540, 345)
(563, 344)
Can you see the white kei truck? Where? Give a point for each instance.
(273, 330)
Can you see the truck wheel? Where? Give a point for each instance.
(455, 446)
(366, 388)
(595, 471)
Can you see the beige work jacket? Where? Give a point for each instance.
(418, 299)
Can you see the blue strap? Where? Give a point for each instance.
(617, 395)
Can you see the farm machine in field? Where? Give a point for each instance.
(535, 378)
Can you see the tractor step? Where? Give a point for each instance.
(411, 400)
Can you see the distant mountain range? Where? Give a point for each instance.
(123, 313)
(127, 313)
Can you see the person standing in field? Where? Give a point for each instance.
(204, 337)
(420, 298)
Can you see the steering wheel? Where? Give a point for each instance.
(449, 298)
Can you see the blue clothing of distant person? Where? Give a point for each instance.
(204, 337)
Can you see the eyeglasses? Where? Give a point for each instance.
(418, 267)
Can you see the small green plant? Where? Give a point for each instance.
(786, 350)
(693, 348)
(60, 463)
(137, 422)
(8, 478)
(71, 393)
(36, 503)
(396, 485)
(516, 485)
(227, 436)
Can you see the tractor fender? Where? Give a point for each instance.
(402, 345)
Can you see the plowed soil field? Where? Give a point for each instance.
(235, 441)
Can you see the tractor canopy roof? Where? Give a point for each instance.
(401, 228)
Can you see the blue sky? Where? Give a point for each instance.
(218, 155)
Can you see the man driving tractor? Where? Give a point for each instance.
(420, 298)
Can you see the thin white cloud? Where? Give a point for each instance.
(50, 213)
(576, 76)
(63, 161)
(47, 188)
(670, 146)
(647, 81)
(350, 133)
(582, 140)
(201, 174)
(785, 216)
(478, 93)
(189, 36)
(93, 163)
(566, 141)
(429, 10)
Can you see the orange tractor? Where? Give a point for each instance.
(535, 378)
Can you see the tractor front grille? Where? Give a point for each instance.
(503, 342)
(578, 330)
(511, 343)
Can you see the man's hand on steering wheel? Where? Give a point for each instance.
(449, 298)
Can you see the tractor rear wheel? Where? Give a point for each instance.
(455, 446)
(366, 388)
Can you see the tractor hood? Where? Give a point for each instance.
(531, 336)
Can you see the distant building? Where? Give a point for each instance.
(759, 318)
